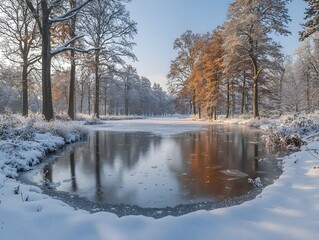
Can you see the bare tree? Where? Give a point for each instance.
(109, 29)
(19, 38)
(308, 69)
(43, 13)
(179, 76)
(9, 88)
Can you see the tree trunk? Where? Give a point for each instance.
(243, 95)
(233, 99)
(82, 98)
(97, 84)
(81, 105)
(105, 102)
(215, 113)
(47, 106)
(25, 53)
(194, 103)
(89, 100)
(255, 100)
(71, 107)
(25, 106)
(257, 72)
(126, 100)
(280, 92)
(228, 100)
(308, 91)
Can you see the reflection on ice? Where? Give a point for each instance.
(149, 170)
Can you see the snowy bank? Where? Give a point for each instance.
(287, 209)
(24, 142)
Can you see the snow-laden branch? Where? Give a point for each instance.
(70, 14)
(77, 50)
(65, 47)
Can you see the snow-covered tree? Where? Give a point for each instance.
(311, 25)
(180, 73)
(207, 73)
(129, 78)
(308, 69)
(146, 96)
(44, 14)
(110, 30)
(10, 91)
(248, 35)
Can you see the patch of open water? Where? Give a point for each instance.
(154, 175)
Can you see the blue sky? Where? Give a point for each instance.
(160, 22)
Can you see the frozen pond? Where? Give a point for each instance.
(201, 163)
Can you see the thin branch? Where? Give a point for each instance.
(70, 14)
(35, 14)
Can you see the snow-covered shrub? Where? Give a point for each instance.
(70, 133)
(2, 179)
(8, 121)
(254, 123)
(245, 116)
(62, 117)
(27, 131)
(24, 142)
(279, 140)
(303, 124)
(290, 130)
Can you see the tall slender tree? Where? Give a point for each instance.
(71, 104)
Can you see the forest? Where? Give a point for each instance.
(239, 69)
(248, 170)
(72, 57)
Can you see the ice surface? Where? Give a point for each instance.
(234, 173)
(287, 209)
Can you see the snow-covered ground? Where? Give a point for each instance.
(287, 209)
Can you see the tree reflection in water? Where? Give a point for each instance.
(156, 171)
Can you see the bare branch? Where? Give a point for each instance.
(70, 14)
(35, 14)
